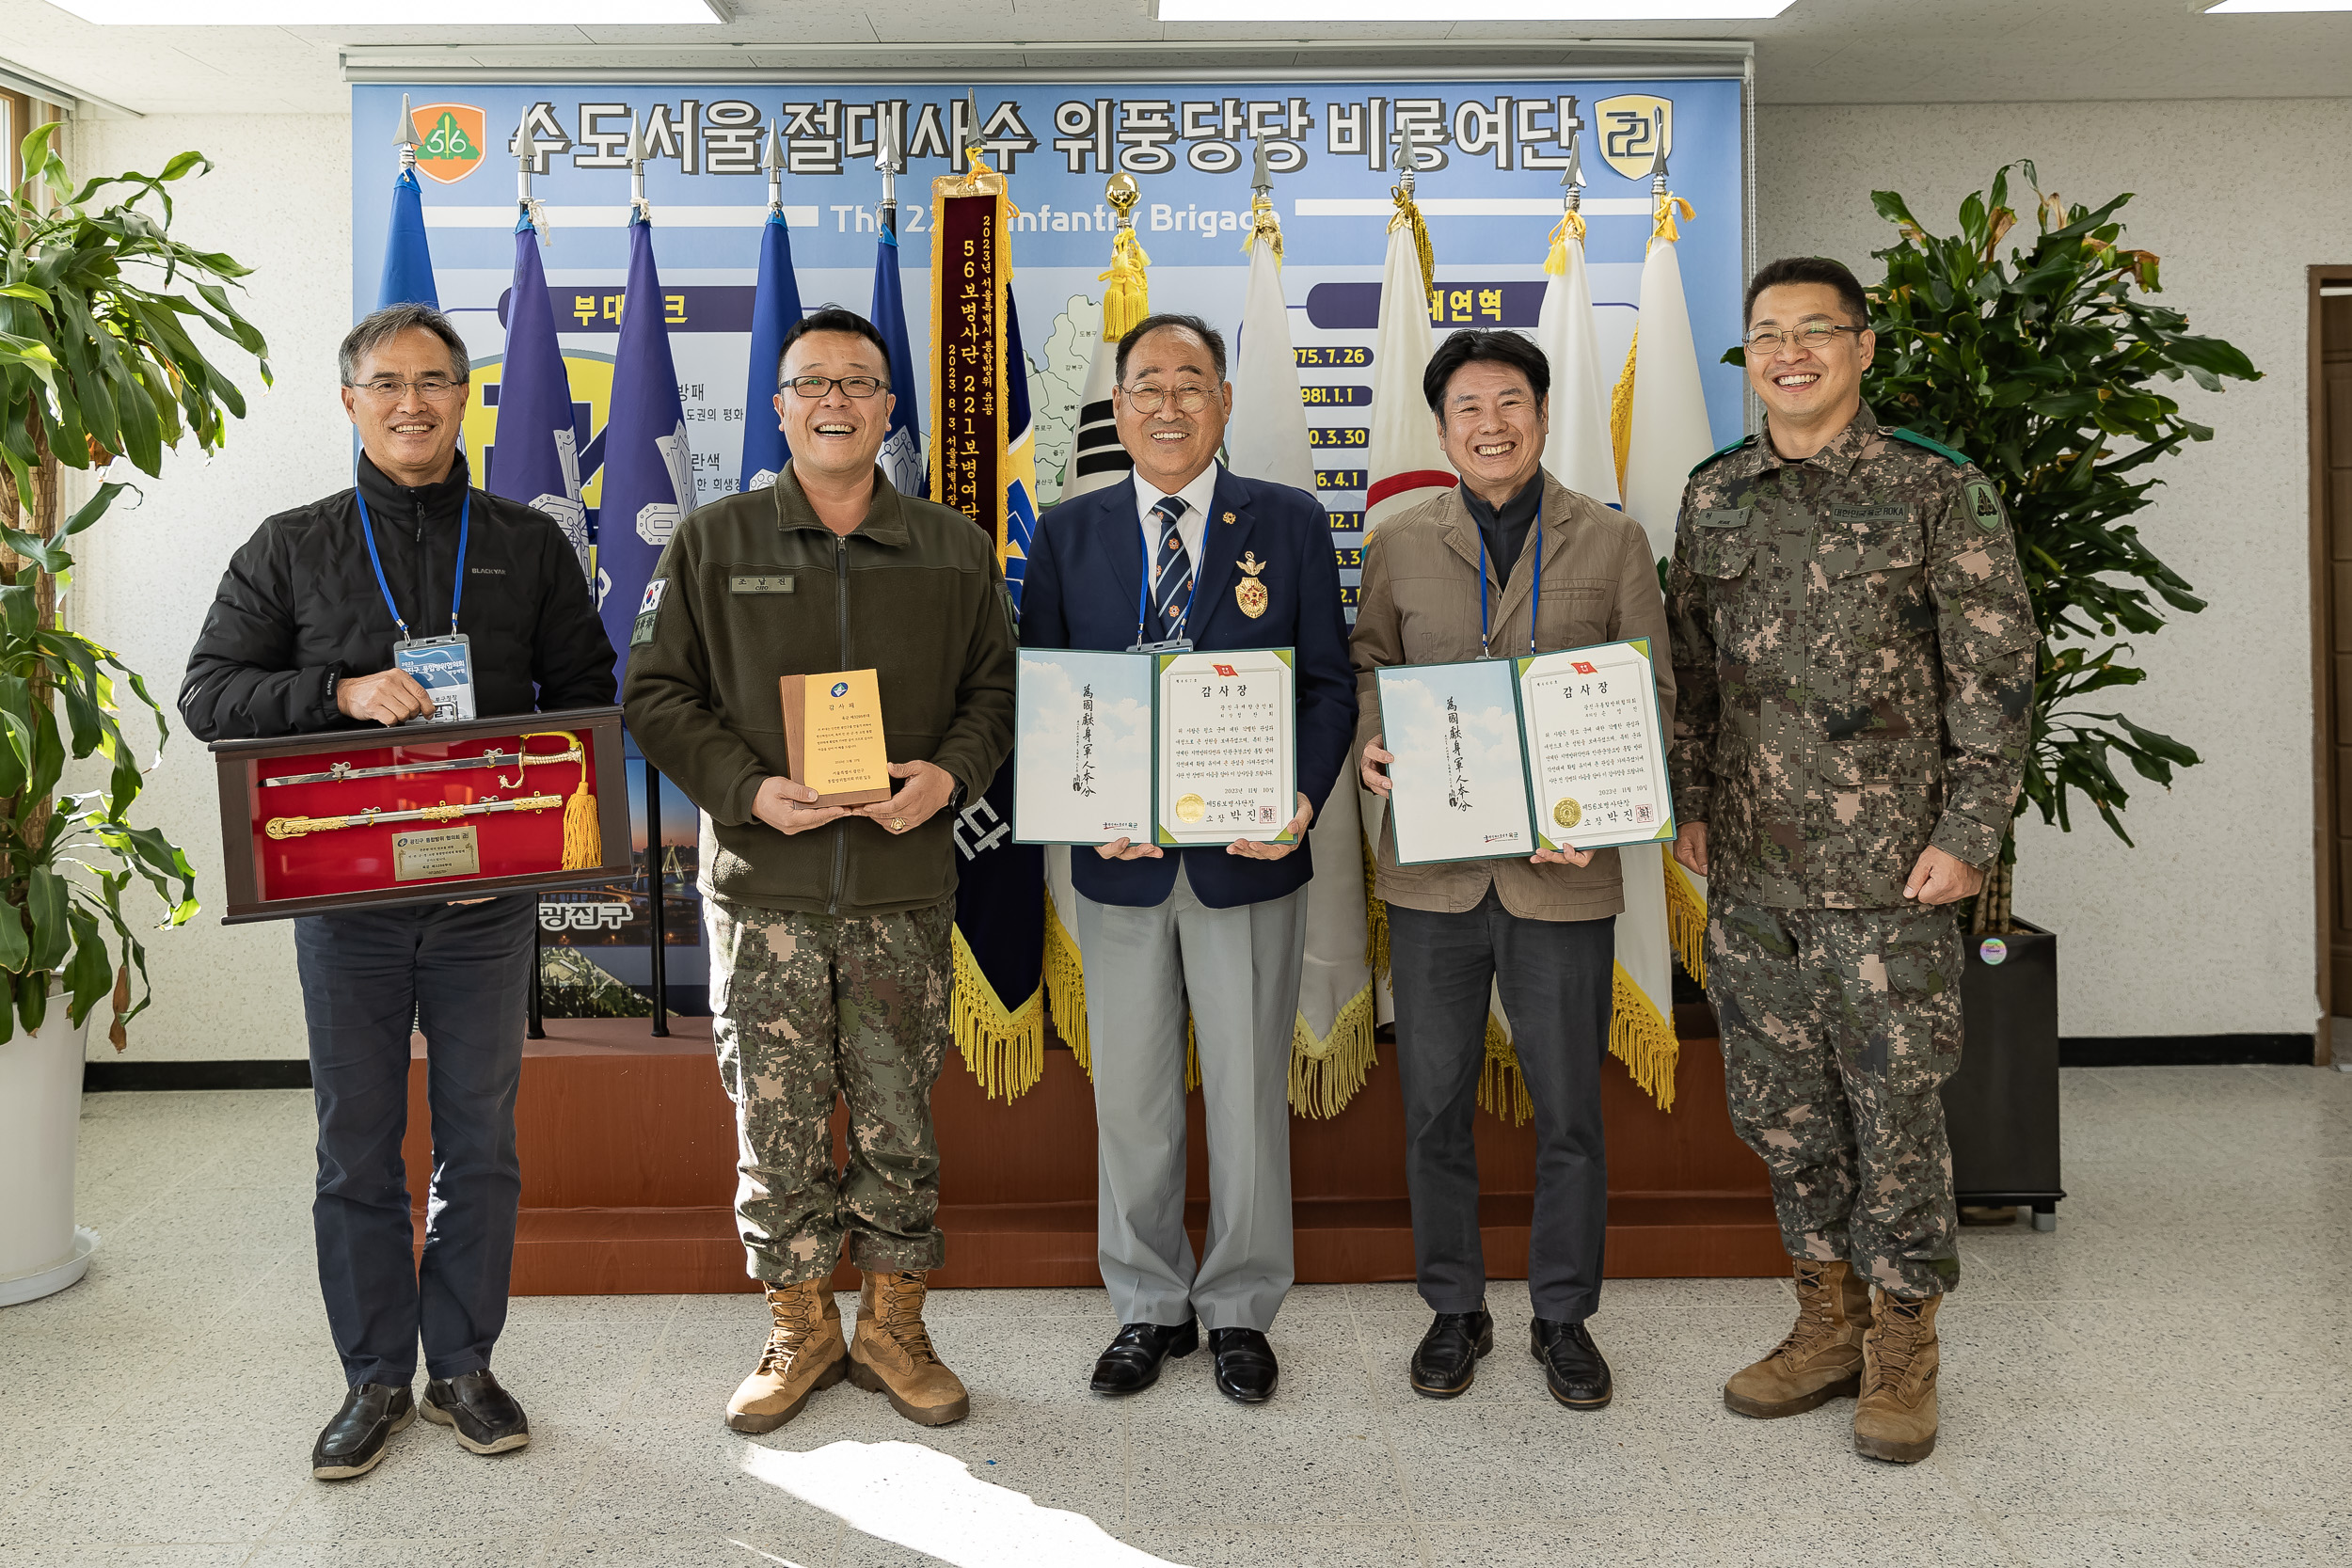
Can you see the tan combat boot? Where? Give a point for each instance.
(1895, 1418)
(804, 1353)
(893, 1352)
(1821, 1360)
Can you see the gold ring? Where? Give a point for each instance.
(897, 823)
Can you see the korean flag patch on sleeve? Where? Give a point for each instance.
(648, 611)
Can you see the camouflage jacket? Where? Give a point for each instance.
(1854, 652)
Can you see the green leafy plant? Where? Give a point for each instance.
(2046, 370)
(96, 360)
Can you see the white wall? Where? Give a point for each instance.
(280, 201)
(2208, 927)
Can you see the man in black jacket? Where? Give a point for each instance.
(300, 639)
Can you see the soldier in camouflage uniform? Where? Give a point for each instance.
(1855, 652)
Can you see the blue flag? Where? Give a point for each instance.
(775, 310)
(407, 260)
(648, 467)
(535, 457)
(902, 453)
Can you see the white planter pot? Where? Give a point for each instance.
(40, 1113)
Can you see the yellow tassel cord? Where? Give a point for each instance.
(1408, 215)
(1642, 1040)
(1376, 918)
(1264, 220)
(1066, 987)
(1686, 921)
(1003, 1050)
(1326, 1073)
(583, 839)
(1663, 225)
(1570, 226)
(1621, 409)
(1500, 1082)
(1192, 1057)
(1128, 299)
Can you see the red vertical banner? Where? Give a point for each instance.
(968, 404)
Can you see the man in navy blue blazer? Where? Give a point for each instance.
(1215, 933)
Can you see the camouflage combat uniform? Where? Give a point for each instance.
(1855, 654)
(805, 1003)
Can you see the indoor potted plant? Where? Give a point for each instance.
(2044, 369)
(96, 360)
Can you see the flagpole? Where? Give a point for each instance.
(408, 141)
(638, 210)
(891, 160)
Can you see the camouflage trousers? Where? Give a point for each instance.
(1839, 1026)
(807, 1007)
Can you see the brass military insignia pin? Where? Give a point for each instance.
(1227, 517)
(1250, 592)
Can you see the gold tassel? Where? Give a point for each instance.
(1128, 299)
(1500, 1084)
(1192, 1057)
(1066, 987)
(1376, 918)
(1643, 1041)
(1264, 220)
(1004, 1049)
(1326, 1073)
(1686, 921)
(1621, 409)
(583, 843)
(1408, 216)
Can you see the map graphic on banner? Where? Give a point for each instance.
(1489, 204)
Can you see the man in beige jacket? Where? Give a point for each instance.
(1539, 930)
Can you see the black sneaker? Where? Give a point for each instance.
(1573, 1367)
(1446, 1361)
(353, 1443)
(485, 1416)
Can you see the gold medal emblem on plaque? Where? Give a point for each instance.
(1250, 592)
(1190, 808)
(1568, 813)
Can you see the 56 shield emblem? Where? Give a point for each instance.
(1630, 129)
(455, 136)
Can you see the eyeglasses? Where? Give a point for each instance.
(1809, 334)
(388, 388)
(812, 386)
(1148, 399)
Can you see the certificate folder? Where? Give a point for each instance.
(1173, 748)
(1496, 757)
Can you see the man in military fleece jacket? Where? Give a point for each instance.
(830, 926)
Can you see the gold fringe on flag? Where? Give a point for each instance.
(1005, 1051)
(1326, 1073)
(1376, 918)
(1066, 987)
(1128, 299)
(1644, 1042)
(1621, 409)
(1686, 921)
(1408, 215)
(1501, 1087)
(1264, 220)
(1571, 225)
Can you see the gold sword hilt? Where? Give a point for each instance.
(296, 827)
(525, 757)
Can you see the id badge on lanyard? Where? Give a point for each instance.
(442, 665)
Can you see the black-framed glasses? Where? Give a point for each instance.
(1807, 335)
(1149, 398)
(813, 387)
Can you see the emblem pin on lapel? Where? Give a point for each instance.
(1227, 517)
(1250, 592)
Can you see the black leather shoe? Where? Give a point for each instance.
(1573, 1368)
(1245, 1365)
(353, 1443)
(1447, 1360)
(485, 1416)
(1133, 1362)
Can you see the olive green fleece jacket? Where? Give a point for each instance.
(755, 587)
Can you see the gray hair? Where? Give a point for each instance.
(375, 330)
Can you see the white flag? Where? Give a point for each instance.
(1578, 453)
(1666, 427)
(1405, 462)
(1266, 438)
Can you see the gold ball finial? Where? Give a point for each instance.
(1122, 192)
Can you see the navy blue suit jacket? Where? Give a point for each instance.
(1084, 574)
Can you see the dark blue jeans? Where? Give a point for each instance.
(1556, 977)
(462, 975)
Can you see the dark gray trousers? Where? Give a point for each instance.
(1555, 980)
(462, 973)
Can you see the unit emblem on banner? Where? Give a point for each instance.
(453, 139)
(1628, 125)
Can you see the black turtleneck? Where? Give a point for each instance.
(419, 512)
(1505, 531)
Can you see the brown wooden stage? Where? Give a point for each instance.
(628, 1150)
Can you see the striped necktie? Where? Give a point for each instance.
(1171, 569)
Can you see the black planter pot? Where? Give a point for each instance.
(2001, 1108)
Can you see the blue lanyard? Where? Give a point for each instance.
(464, 525)
(1538, 605)
(1143, 594)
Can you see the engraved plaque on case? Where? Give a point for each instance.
(431, 852)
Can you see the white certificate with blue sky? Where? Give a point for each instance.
(1082, 747)
(1595, 746)
(1458, 785)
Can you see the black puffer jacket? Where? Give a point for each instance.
(299, 610)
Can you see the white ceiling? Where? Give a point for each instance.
(1816, 52)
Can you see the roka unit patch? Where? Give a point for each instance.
(648, 612)
(1982, 505)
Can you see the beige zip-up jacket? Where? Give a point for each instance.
(1419, 604)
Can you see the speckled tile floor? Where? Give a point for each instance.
(2161, 1381)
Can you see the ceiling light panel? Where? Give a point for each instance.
(1467, 10)
(411, 13)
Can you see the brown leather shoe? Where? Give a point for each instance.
(893, 1354)
(805, 1353)
(1895, 1418)
(1821, 1360)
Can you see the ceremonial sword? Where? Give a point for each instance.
(520, 758)
(296, 827)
